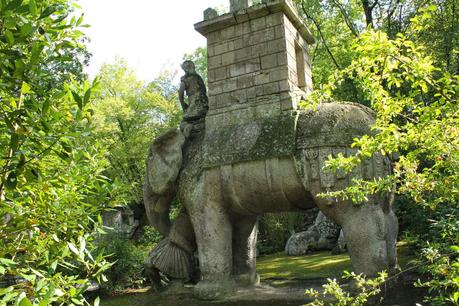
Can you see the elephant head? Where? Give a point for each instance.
(173, 255)
(163, 166)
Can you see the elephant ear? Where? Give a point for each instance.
(164, 161)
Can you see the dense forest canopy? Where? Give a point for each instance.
(72, 147)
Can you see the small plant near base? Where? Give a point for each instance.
(363, 289)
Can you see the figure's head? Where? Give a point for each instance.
(188, 67)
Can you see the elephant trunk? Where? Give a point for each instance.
(157, 208)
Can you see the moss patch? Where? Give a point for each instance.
(312, 266)
(315, 265)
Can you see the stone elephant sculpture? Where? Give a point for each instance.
(228, 178)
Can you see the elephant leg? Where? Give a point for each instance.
(213, 231)
(244, 250)
(365, 231)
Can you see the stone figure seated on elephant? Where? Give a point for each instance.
(227, 178)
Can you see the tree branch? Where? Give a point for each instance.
(348, 22)
(321, 35)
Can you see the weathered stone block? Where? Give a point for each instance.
(228, 33)
(239, 95)
(245, 81)
(251, 92)
(269, 61)
(243, 54)
(221, 73)
(214, 61)
(242, 28)
(259, 90)
(279, 31)
(271, 88)
(229, 85)
(262, 78)
(279, 74)
(228, 58)
(221, 48)
(252, 66)
(262, 36)
(274, 19)
(213, 38)
(276, 45)
(284, 85)
(259, 49)
(210, 75)
(258, 24)
(237, 69)
(282, 58)
(238, 43)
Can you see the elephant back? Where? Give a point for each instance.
(333, 124)
(329, 131)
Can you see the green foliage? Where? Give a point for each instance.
(336, 23)
(367, 288)
(275, 229)
(417, 120)
(51, 183)
(128, 113)
(128, 257)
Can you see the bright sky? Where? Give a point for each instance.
(151, 34)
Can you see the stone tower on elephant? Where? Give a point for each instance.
(257, 152)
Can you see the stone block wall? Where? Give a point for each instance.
(258, 63)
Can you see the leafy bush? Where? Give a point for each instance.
(128, 257)
(418, 119)
(333, 292)
(51, 184)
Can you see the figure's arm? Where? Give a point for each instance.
(181, 94)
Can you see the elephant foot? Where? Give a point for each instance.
(247, 280)
(214, 289)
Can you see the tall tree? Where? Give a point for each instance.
(128, 114)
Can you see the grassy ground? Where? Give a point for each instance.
(314, 265)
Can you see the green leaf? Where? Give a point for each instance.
(14, 5)
(456, 296)
(87, 96)
(78, 100)
(26, 29)
(9, 37)
(32, 7)
(25, 88)
(73, 248)
(96, 301)
(48, 11)
(454, 248)
(25, 302)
